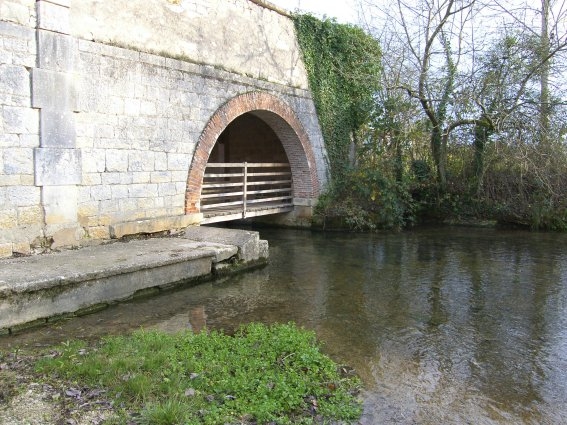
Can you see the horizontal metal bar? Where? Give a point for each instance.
(248, 164)
(211, 185)
(257, 192)
(275, 173)
(224, 204)
(221, 195)
(265, 182)
(267, 164)
(224, 164)
(277, 198)
(224, 175)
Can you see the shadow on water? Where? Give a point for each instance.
(444, 325)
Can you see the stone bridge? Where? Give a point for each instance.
(112, 112)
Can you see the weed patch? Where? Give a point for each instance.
(262, 374)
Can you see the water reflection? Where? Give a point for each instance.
(443, 325)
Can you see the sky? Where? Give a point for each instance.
(342, 10)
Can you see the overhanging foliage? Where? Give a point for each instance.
(343, 67)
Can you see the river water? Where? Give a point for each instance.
(444, 325)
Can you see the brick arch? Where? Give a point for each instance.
(283, 121)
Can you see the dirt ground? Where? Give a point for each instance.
(26, 399)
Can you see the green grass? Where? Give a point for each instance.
(263, 374)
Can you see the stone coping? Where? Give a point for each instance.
(39, 272)
(35, 288)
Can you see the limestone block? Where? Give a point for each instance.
(148, 206)
(11, 30)
(23, 196)
(248, 242)
(20, 120)
(263, 249)
(160, 161)
(30, 215)
(22, 248)
(60, 203)
(163, 144)
(15, 80)
(21, 233)
(98, 232)
(5, 248)
(179, 176)
(109, 206)
(140, 177)
(86, 209)
(57, 166)
(159, 211)
(56, 52)
(115, 105)
(8, 218)
(64, 236)
(53, 17)
(178, 162)
(113, 178)
(154, 225)
(16, 11)
(100, 193)
(148, 108)
(27, 180)
(94, 160)
(119, 191)
(127, 205)
(160, 177)
(28, 140)
(116, 160)
(53, 90)
(57, 129)
(17, 160)
(167, 189)
(91, 179)
(140, 161)
(143, 190)
(132, 107)
(83, 194)
(9, 180)
(6, 57)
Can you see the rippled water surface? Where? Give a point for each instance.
(444, 325)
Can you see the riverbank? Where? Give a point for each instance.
(38, 289)
(262, 374)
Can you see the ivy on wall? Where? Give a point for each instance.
(343, 67)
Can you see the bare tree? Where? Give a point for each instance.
(440, 60)
(432, 42)
(550, 45)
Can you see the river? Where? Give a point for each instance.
(444, 325)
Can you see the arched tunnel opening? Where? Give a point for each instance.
(248, 139)
(247, 173)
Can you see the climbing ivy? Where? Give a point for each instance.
(343, 67)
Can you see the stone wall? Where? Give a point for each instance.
(21, 216)
(19, 12)
(235, 35)
(97, 140)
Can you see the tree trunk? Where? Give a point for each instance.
(544, 109)
(398, 161)
(480, 138)
(438, 151)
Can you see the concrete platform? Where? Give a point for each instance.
(37, 289)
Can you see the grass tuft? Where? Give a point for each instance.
(263, 374)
